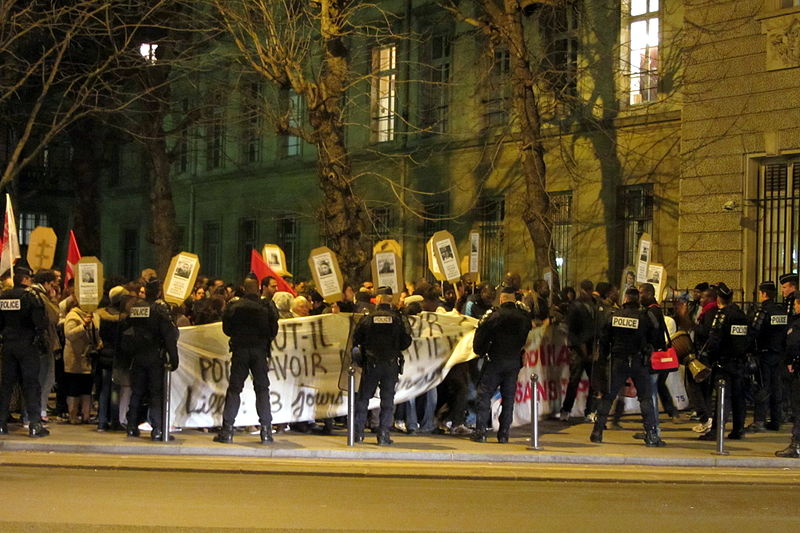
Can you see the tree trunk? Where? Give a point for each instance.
(536, 214)
(163, 229)
(86, 171)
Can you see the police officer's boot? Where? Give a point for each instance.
(383, 439)
(792, 451)
(597, 432)
(652, 440)
(37, 430)
(133, 429)
(157, 435)
(3, 429)
(478, 436)
(266, 435)
(225, 434)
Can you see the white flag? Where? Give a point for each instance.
(10, 247)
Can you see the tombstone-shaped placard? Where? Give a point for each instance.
(275, 258)
(643, 257)
(88, 283)
(433, 261)
(324, 268)
(474, 252)
(387, 271)
(387, 245)
(182, 274)
(657, 277)
(41, 248)
(444, 246)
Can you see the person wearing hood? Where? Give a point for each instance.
(109, 330)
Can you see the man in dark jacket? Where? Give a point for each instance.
(23, 324)
(726, 349)
(378, 342)
(252, 325)
(768, 330)
(792, 362)
(626, 337)
(582, 335)
(147, 333)
(500, 338)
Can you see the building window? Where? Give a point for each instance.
(491, 212)
(287, 239)
(561, 217)
(560, 27)
(435, 103)
(212, 248)
(292, 144)
(380, 219)
(778, 219)
(252, 101)
(27, 223)
(130, 253)
(641, 64)
(215, 133)
(636, 214)
(182, 143)
(790, 3)
(248, 240)
(498, 100)
(384, 97)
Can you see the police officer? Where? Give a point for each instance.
(252, 324)
(768, 331)
(23, 324)
(500, 338)
(726, 350)
(788, 289)
(147, 333)
(626, 339)
(792, 362)
(378, 341)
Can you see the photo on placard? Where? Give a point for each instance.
(447, 252)
(386, 267)
(183, 268)
(273, 260)
(87, 275)
(324, 268)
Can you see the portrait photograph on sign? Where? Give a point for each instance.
(275, 258)
(386, 271)
(643, 257)
(449, 262)
(474, 251)
(88, 283)
(328, 280)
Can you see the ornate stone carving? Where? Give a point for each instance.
(783, 42)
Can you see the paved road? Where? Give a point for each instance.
(56, 499)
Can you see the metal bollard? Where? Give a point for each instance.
(165, 405)
(351, 406)
(720, 426)
(535, 413)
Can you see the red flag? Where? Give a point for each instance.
(261, 269)
(73, 256)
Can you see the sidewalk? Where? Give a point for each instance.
(561, 444)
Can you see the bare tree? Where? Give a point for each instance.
(303, 46)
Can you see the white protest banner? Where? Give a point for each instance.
(548, 356)
(307, 360)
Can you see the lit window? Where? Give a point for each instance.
(148, 52)
(384, 76)
(498, 98)
(436, 90)
(27, 223)
(561, 217)
(642, 61)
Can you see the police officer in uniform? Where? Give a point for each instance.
(768, 330)
(378, 342)
(147, 333)
(23, 323)
(500, 338)
(626, 339)
(726, 350)
(252, 324)
(788, 289)
(792, 362)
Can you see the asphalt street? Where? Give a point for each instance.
(72, 498)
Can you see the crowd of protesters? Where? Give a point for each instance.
(90, 377)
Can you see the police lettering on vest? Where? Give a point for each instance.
(739, 330)
(10, 305)
(778, 320)
(381, 320)
(140, 312)
(625, 322)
